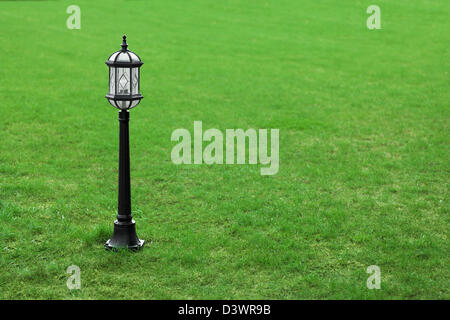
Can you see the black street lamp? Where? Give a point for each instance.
(124, 87)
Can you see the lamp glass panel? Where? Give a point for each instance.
(123, 57)
(123, 81)
(112, 80)
(134, 57)
(123, 104)
(111, 101)
(134, 103)
(113, 56)
(135, 80)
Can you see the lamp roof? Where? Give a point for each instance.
(124, 57)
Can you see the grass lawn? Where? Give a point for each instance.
(364, 150)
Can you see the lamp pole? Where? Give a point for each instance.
(124, 199)
(123, 94)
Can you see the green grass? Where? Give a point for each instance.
(364, 150)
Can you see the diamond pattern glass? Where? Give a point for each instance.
(123, 81)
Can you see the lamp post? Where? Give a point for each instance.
(124, 94)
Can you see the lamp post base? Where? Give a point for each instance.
(124, 237)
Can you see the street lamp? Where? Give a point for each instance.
(124, 87)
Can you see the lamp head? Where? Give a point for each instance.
(124, 78)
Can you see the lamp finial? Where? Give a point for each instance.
(124, 43)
